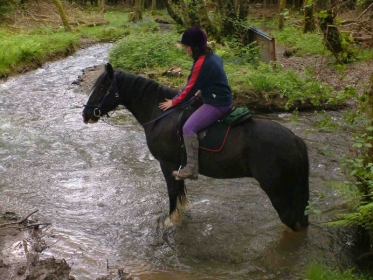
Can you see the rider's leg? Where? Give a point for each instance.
(201, 118)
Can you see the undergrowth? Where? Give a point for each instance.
(317, 271)
(158, 51)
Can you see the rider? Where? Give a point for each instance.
(208, 80)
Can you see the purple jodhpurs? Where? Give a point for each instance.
(203, 117)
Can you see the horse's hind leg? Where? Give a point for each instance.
(283, 200)
(176, 194)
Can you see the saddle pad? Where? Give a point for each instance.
(213, 139)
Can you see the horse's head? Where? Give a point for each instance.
(104, 96)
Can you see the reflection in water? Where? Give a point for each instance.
(106, 197)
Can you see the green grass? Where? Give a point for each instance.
(30, 48)
(317, 271)
(308, 43)
(139, 52)
(34, 47)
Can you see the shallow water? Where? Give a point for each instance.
(106, 198)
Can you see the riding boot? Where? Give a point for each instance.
(190, 171)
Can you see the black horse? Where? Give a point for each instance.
(258, 148)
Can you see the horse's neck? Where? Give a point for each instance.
(145, 96)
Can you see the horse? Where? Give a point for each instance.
(258, 148)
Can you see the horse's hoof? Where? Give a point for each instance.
(168, 222)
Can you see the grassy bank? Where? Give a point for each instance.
(145, 47)
(26, 49)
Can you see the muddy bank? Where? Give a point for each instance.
(21, 242)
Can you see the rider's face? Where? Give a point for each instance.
(188, 50)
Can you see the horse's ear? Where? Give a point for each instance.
(109, 70)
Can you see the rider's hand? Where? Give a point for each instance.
(166, 105)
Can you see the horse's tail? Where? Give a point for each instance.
(302, 188)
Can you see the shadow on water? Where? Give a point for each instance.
(106, 197)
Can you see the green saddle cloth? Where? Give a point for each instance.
(237, 115)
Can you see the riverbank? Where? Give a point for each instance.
(21, 242)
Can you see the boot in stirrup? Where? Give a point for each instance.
(190, 171)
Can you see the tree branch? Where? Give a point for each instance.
(19, 222)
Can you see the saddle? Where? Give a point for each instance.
(213, 138)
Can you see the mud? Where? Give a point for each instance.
(20, 246)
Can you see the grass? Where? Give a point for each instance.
(32, 47)
(317, 271)
(22, 50)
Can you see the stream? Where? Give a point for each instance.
(106, 198)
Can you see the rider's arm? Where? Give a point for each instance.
(191, 81)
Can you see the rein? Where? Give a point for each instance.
(182, 105)
(97, 108)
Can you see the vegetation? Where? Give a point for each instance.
(317, 271)
(30, 48)
(18, 52)
(359, 167)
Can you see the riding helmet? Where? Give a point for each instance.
(194, 37)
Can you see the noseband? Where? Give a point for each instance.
(97, 108)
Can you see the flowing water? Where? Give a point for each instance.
(106, 198)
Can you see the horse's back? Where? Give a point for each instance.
(254, 148)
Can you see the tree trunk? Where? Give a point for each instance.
(138, 9)
(172, 13)
(63, 16)
(154, 5)
(370, 103)
(309, 22)
(193, 12)
(333, 40)
(185, 13)
(220, 7)
(243, 10)
(205, 23)
(281, 14)
(228, 27)
(326, 19)
(101, 5)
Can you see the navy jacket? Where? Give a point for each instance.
(207, 75)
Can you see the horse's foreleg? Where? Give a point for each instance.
(176, 194)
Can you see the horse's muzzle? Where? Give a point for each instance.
(89, 118)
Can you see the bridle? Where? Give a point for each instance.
(97, 108)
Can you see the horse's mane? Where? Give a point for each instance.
(145, 86)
